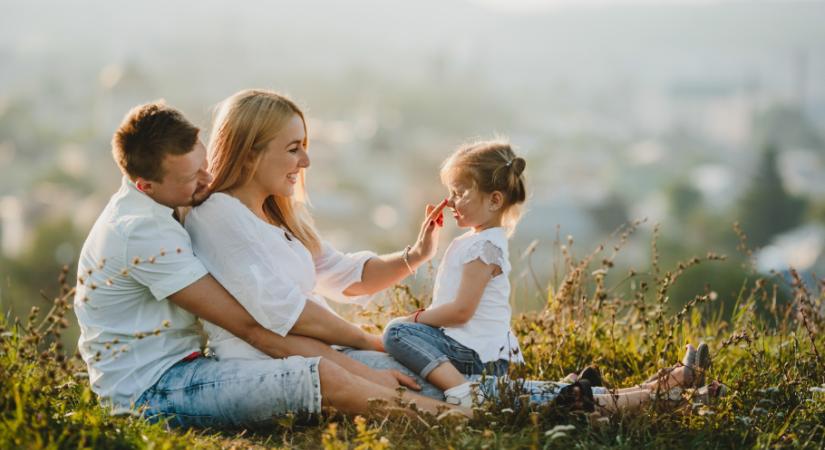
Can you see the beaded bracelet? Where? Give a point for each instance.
(406, 257)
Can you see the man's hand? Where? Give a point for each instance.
(393, 378)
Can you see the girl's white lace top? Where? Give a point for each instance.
(488, 331)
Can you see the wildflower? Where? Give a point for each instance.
(559, 431)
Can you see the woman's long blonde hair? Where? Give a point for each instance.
(243, 126)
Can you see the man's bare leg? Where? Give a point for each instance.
(350, 393)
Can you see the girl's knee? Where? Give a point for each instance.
(393, 333)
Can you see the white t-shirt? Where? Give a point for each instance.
(268, 271)
(135, 256)
(488, 331)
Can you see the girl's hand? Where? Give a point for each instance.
(427, 243)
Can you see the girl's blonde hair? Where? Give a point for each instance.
(243, 126)
(491, 166)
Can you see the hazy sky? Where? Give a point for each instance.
(538, 5)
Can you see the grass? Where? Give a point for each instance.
(769, 350)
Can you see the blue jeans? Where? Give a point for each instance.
(207, 392)
(538, 392)
(422, 348)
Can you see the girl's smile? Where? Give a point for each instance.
(472, 208)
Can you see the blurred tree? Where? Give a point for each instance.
(610, 213)
(766, 208)
(55, 244)
(788, 127)
(684, 199)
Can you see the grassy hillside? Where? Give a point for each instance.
(770, 353)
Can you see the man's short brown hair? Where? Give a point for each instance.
(147, 134)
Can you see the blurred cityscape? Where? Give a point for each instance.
(691, 114)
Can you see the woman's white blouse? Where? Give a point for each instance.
(488, 331)
(267, 270)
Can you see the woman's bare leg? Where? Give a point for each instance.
(623, 402)
(676, 378)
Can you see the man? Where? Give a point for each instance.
(140, 289)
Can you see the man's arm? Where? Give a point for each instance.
(207, 299)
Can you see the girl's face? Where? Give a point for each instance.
(471, 208)
(282, 161)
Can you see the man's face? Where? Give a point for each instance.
(185, 179)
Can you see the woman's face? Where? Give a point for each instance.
(282, 160)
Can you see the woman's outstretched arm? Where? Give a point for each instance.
(384, 271)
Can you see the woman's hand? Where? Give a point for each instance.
(427, 243)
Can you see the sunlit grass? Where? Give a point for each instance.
(769, 351)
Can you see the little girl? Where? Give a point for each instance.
(466, 329)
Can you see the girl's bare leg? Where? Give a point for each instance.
(446, 376)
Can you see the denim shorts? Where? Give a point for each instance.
(422, 348)
(207, 392)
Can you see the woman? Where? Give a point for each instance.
(255, 236)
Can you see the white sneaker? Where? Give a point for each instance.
(465, 401)
(463, 394)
